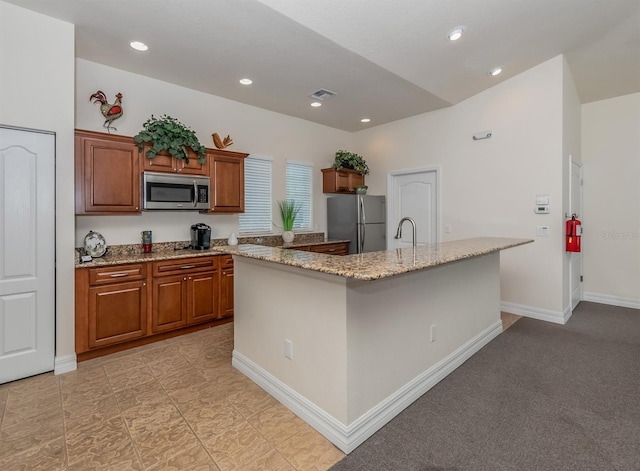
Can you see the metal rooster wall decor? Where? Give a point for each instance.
(110, 112)
(221, 143)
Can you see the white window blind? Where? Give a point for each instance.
(257, 195)
(299, 181)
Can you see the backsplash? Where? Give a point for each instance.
(270, 240)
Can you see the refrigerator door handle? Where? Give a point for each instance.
(363, 221)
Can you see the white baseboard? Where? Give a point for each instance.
(633, 303)
(556, 317)
(64, 364)
(348, 437)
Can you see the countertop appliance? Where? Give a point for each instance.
(360, 219)
(169, 191)
(200, 236)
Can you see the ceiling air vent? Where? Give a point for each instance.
(322, 94)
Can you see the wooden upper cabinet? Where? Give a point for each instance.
(107, 174)
(165, 162)
(343, 181)
(227, 181)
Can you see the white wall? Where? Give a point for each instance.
(36, 91)
(488, 187)
(611, 159)
(253, 130)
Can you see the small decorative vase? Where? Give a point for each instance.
(232, 240)
(288, 236)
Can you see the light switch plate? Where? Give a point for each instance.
(542, 200)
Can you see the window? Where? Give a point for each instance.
(299, 180)
(257, 195)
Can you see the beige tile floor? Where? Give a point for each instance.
(172, 405)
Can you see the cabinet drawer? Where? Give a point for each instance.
(118, 273)
(339, 248)
(226, 261)
(183, 265)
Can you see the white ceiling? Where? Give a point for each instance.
(386, 59)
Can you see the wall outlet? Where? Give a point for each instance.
(542, 231)
(447, 228)
(288, 349)
(432, 333)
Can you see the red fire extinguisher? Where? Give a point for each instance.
(574, 234)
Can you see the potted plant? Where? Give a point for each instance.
(289, 210)
(362, 189)
(351, 160)
(168, 134)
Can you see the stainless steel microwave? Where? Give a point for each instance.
(175, 192)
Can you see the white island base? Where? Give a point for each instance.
(361, 351)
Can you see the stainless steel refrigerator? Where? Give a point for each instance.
(360, 219)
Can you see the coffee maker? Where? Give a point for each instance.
(200, 236)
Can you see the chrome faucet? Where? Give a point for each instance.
(399, 231)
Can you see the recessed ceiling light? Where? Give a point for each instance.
(365, 120)
(316, 104)
(138, 46)
(246, 81)
(456, 33)
(495, 71)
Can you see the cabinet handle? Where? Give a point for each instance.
(332, 250)
(118, 275)
(187, 267)
(185, 278)
(144, 284)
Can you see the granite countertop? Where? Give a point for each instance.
(383, 264)
(123, 254)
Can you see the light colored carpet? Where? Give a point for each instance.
(540, 396)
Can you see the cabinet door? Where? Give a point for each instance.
(226, 292)
(227, 180)
(355, 179)
(338, 248)
(169, 303)
(194, 167)
(162, 162)
(203, 297)
(117, 312)
(165, 162)
(343, 181)
(107, 174)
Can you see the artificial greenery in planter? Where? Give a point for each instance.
(345, 159)
(167, 133)
(289, 210)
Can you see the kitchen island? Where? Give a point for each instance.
(348, 342)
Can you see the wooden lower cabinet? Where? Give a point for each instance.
(331, 248)
(115, 310)
(169, 304)
(202, 304)
(226, 292)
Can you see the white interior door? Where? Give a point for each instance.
(413, 194)
(575, 264)
(27, 253)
